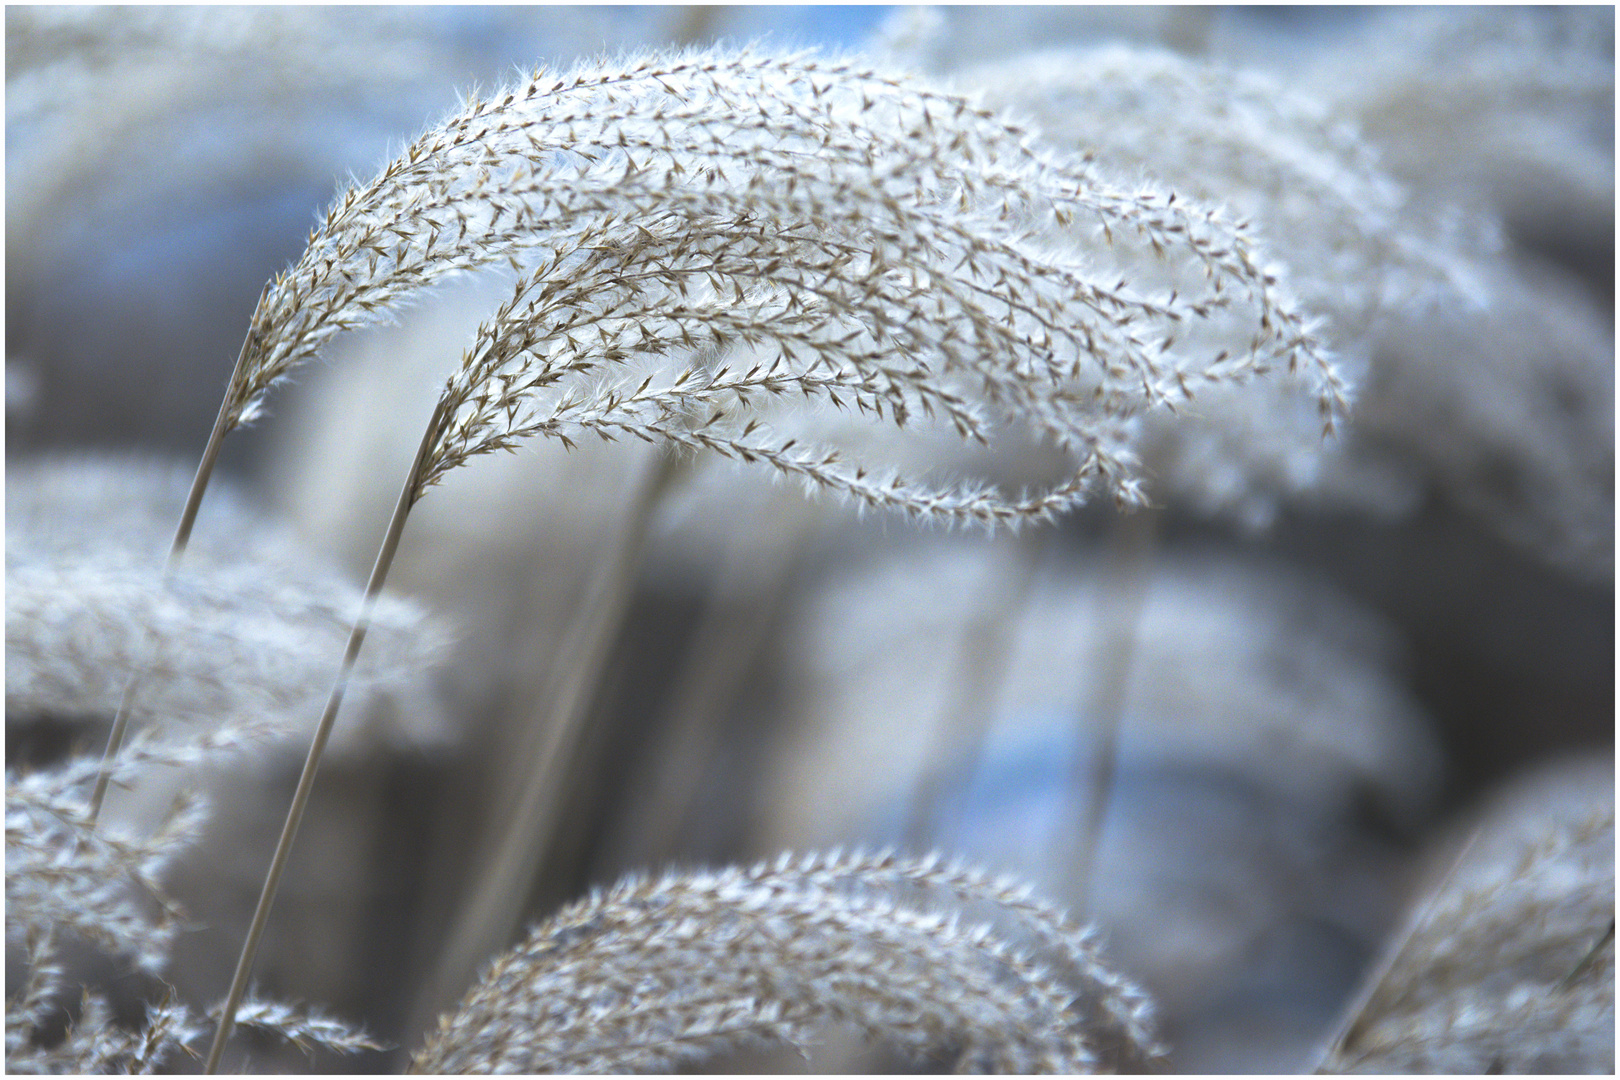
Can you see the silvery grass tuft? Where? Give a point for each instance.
(891, 248)
(1507, 966)
(1309, 186)
(241, 656)
(770, 346)
(655, 973)
(896, 248)
(72, 881)
(247, 635)
(1420, 156)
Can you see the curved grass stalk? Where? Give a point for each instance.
(323, 731)
(528, 823)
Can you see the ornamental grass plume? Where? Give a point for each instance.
(882, 238)
(249, 634)
(1386, 164)
(1303, 177)
(1310, 188)
(895, 249)
(653, 974)
(1508, 964)
(73, 883)
(875, 288)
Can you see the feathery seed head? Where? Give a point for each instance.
(1506, 966)
(750, 226)
(246, 635)
(652, 973)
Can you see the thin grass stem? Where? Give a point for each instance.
(495, 907)
(983, 662)
(323, 731)
(182, 536)
(224, 423)
(1354, 1015)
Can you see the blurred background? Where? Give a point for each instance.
(1282, 710)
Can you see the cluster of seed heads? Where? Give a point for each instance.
(746, 226)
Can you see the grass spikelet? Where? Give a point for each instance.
(71, 881)
(654, 973)
(61, 872)
(1308, 183)
(307, 1029)
(96, 1045)
(1313, 192)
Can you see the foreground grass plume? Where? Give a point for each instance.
(655, 973)
(888, 247)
